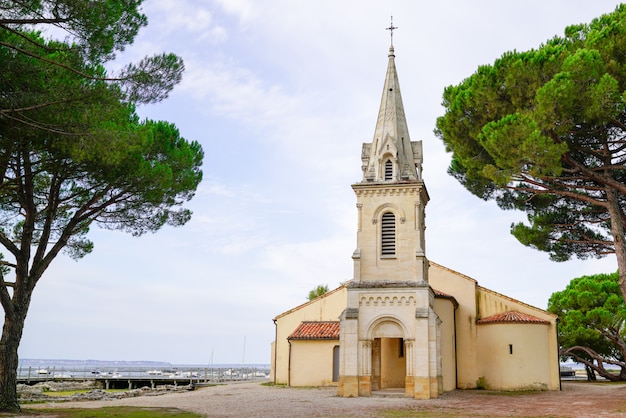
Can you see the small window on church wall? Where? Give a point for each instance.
(388, 237)
(388, 170)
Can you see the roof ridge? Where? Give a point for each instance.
(325, 295)
(543, 311)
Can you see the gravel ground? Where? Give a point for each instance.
(255, 400)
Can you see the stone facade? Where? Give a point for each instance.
(389, 301)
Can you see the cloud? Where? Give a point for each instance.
(244, 10)
(281, 95)
(237, 93)
(311, 263)
(194, 18)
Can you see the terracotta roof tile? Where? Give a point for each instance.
(316, 330)
(512, 317)
(441, 295)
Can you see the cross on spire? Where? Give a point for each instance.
(391, 28)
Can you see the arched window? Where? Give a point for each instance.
(388, 170)
(388, 234)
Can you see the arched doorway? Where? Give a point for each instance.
(388, 355)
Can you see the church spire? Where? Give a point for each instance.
(391, 156)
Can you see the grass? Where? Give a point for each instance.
(277, 385)
(109, 412)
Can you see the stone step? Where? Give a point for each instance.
(389, 393)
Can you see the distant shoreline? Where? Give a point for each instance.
(127, 363)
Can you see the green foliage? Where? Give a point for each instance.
(97, 28)
(544, 131)
(104, 166)
(92, 32)
(74, 152)
(592, 314)
(318, 291)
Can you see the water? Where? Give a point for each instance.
(91, 369)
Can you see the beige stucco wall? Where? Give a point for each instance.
(542, 352)
(444, 309)
(393, 366)
(475, 356)
(513, 357)
(463, 289)
(491, 303)
(312, 362)
(325, 308)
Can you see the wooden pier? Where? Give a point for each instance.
(133, 379)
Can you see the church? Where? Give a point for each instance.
(405, 323)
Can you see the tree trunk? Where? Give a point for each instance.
(9, 343)
(590, 374)
(617, 230)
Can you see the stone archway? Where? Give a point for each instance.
(388, 357)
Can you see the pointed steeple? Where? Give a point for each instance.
(391, 156)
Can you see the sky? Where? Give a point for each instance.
(281, 94)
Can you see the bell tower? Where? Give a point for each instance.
(389, 334)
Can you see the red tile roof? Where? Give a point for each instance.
(512, 317)
(316, 330)
(442, 295)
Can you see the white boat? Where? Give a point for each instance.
(113, 374)
(184, 375)
(154, 372)
(42, 371)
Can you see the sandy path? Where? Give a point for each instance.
(578, 400)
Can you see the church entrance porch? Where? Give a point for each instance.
(388, 364)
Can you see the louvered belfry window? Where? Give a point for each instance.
(388, 230)
(388, 170)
